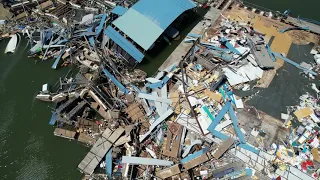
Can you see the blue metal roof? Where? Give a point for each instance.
(119, 10)
(56, 62)
(145, 21)
(53, 119)
(124, 43)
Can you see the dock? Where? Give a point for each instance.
(99, 150)
(64, 133)
(314, 28)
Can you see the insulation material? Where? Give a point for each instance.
(243, 74)
(212, 95)
(302, 113)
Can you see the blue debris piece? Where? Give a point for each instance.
(189, 40)
(166, 79)
(91, 39)
(136, 88)
(219, 135)
(205, 108)
(230, 46)
(220, 115)
(100, 27)
(109, 163)
(119, 10)
(194, 155)
(154, 85)
(124, 43)
(294, 28)
(56, 62)
(62, 41)
(286, 12)
(219, 52)
(115, 81)
(229, 93)
(294, 63)
(224, 172)
(235, 125)
(228, 108)
(48, 35)
(249, 148)
(215, 47)
(249, 172)
(308, 20)
(53, 118)
(195, 35)
(270, 53)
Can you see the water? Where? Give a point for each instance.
(307, 9)
(28, 149)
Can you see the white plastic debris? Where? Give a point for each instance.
(254, 133)
(284, 116)
(152, 154)
(239, 103)
(246, 87)
(314, 87)
(317, 58)
(315, 143)
(87, 19)
(314, 52)
(314, 118)
(306, 65)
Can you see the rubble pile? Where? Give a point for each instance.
(183, 122)
(301, 147)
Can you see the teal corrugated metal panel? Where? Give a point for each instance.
(124, 43)
(145, 21)
(115, 81)
(109, 164)
(119, 10)
(139, 28)
(163, 12)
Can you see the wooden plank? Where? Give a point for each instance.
(145, 161)
(64, 133)
(99, 150)
(91, 166)
(172, 145)
(196, 161)
(212, 95)
(116, 134)
(155, 98)
(315, 154)
(106, 133)
(168, 172)
(86, 139)
(223, 147)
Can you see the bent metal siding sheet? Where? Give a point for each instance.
(124, 43)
